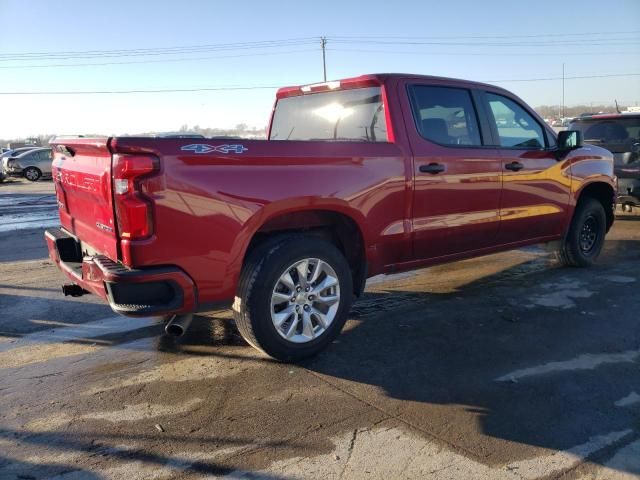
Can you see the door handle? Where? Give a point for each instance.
(514, 166)
(432, 168)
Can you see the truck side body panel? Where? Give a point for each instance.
(208, 206)
(206, 199)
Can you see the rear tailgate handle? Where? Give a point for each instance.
(514, 166)
(432, 168)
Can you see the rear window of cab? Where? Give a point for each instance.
(355, 115)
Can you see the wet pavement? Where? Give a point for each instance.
(26, 205)
(505, 367)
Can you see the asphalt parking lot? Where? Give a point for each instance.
(501, 367)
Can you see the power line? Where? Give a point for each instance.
(168, 60)
(163, 90)
(257, 87)
(213, 57)
(594, 39)
(71, 55)
(578, 77)
(240, 47)
(538, 35)
(481, 54)
(607, 43)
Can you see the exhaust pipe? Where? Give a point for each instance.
(177, 326)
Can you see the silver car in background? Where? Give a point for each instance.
(32, 164)
(10, 152)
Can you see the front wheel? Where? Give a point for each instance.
(32, 174)
(293, 297)
(583, 243)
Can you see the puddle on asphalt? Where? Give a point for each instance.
(559, 294)
(23, 200)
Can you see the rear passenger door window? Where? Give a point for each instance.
(445, 115)
(516, 127)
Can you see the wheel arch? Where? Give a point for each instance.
(604, 193)
(338, 224)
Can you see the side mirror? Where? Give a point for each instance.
(569, 139)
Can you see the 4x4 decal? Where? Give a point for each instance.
(205, 148)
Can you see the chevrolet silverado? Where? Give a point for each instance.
(358, 177)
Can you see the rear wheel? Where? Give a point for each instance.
(32, 174)
(583, 243)
(294, 296)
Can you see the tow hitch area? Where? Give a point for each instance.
(73, 290)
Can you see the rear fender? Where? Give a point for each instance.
(277, 209)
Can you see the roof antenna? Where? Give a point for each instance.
(617, 108)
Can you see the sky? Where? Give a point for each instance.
(213, 44)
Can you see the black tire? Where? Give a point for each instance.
(585, 238)
(260, 274)
(33, 174)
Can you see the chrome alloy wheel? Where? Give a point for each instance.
(305, 300)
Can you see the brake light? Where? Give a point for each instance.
(134, 210)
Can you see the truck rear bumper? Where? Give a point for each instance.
(134, 292)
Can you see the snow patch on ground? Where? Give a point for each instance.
(587, 361)
(629, 400)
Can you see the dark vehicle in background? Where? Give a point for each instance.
(620, 134)
(32, 164)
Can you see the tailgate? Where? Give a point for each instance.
(82, 174)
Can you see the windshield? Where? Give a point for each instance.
(617, 134)
(348, 115)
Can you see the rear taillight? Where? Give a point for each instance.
(133, 209)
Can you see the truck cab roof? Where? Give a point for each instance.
(374, 79)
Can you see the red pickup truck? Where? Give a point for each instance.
(358, 177)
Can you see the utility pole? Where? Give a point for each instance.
(563, 90)
(323, 44)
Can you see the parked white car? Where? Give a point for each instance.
(32, 164)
